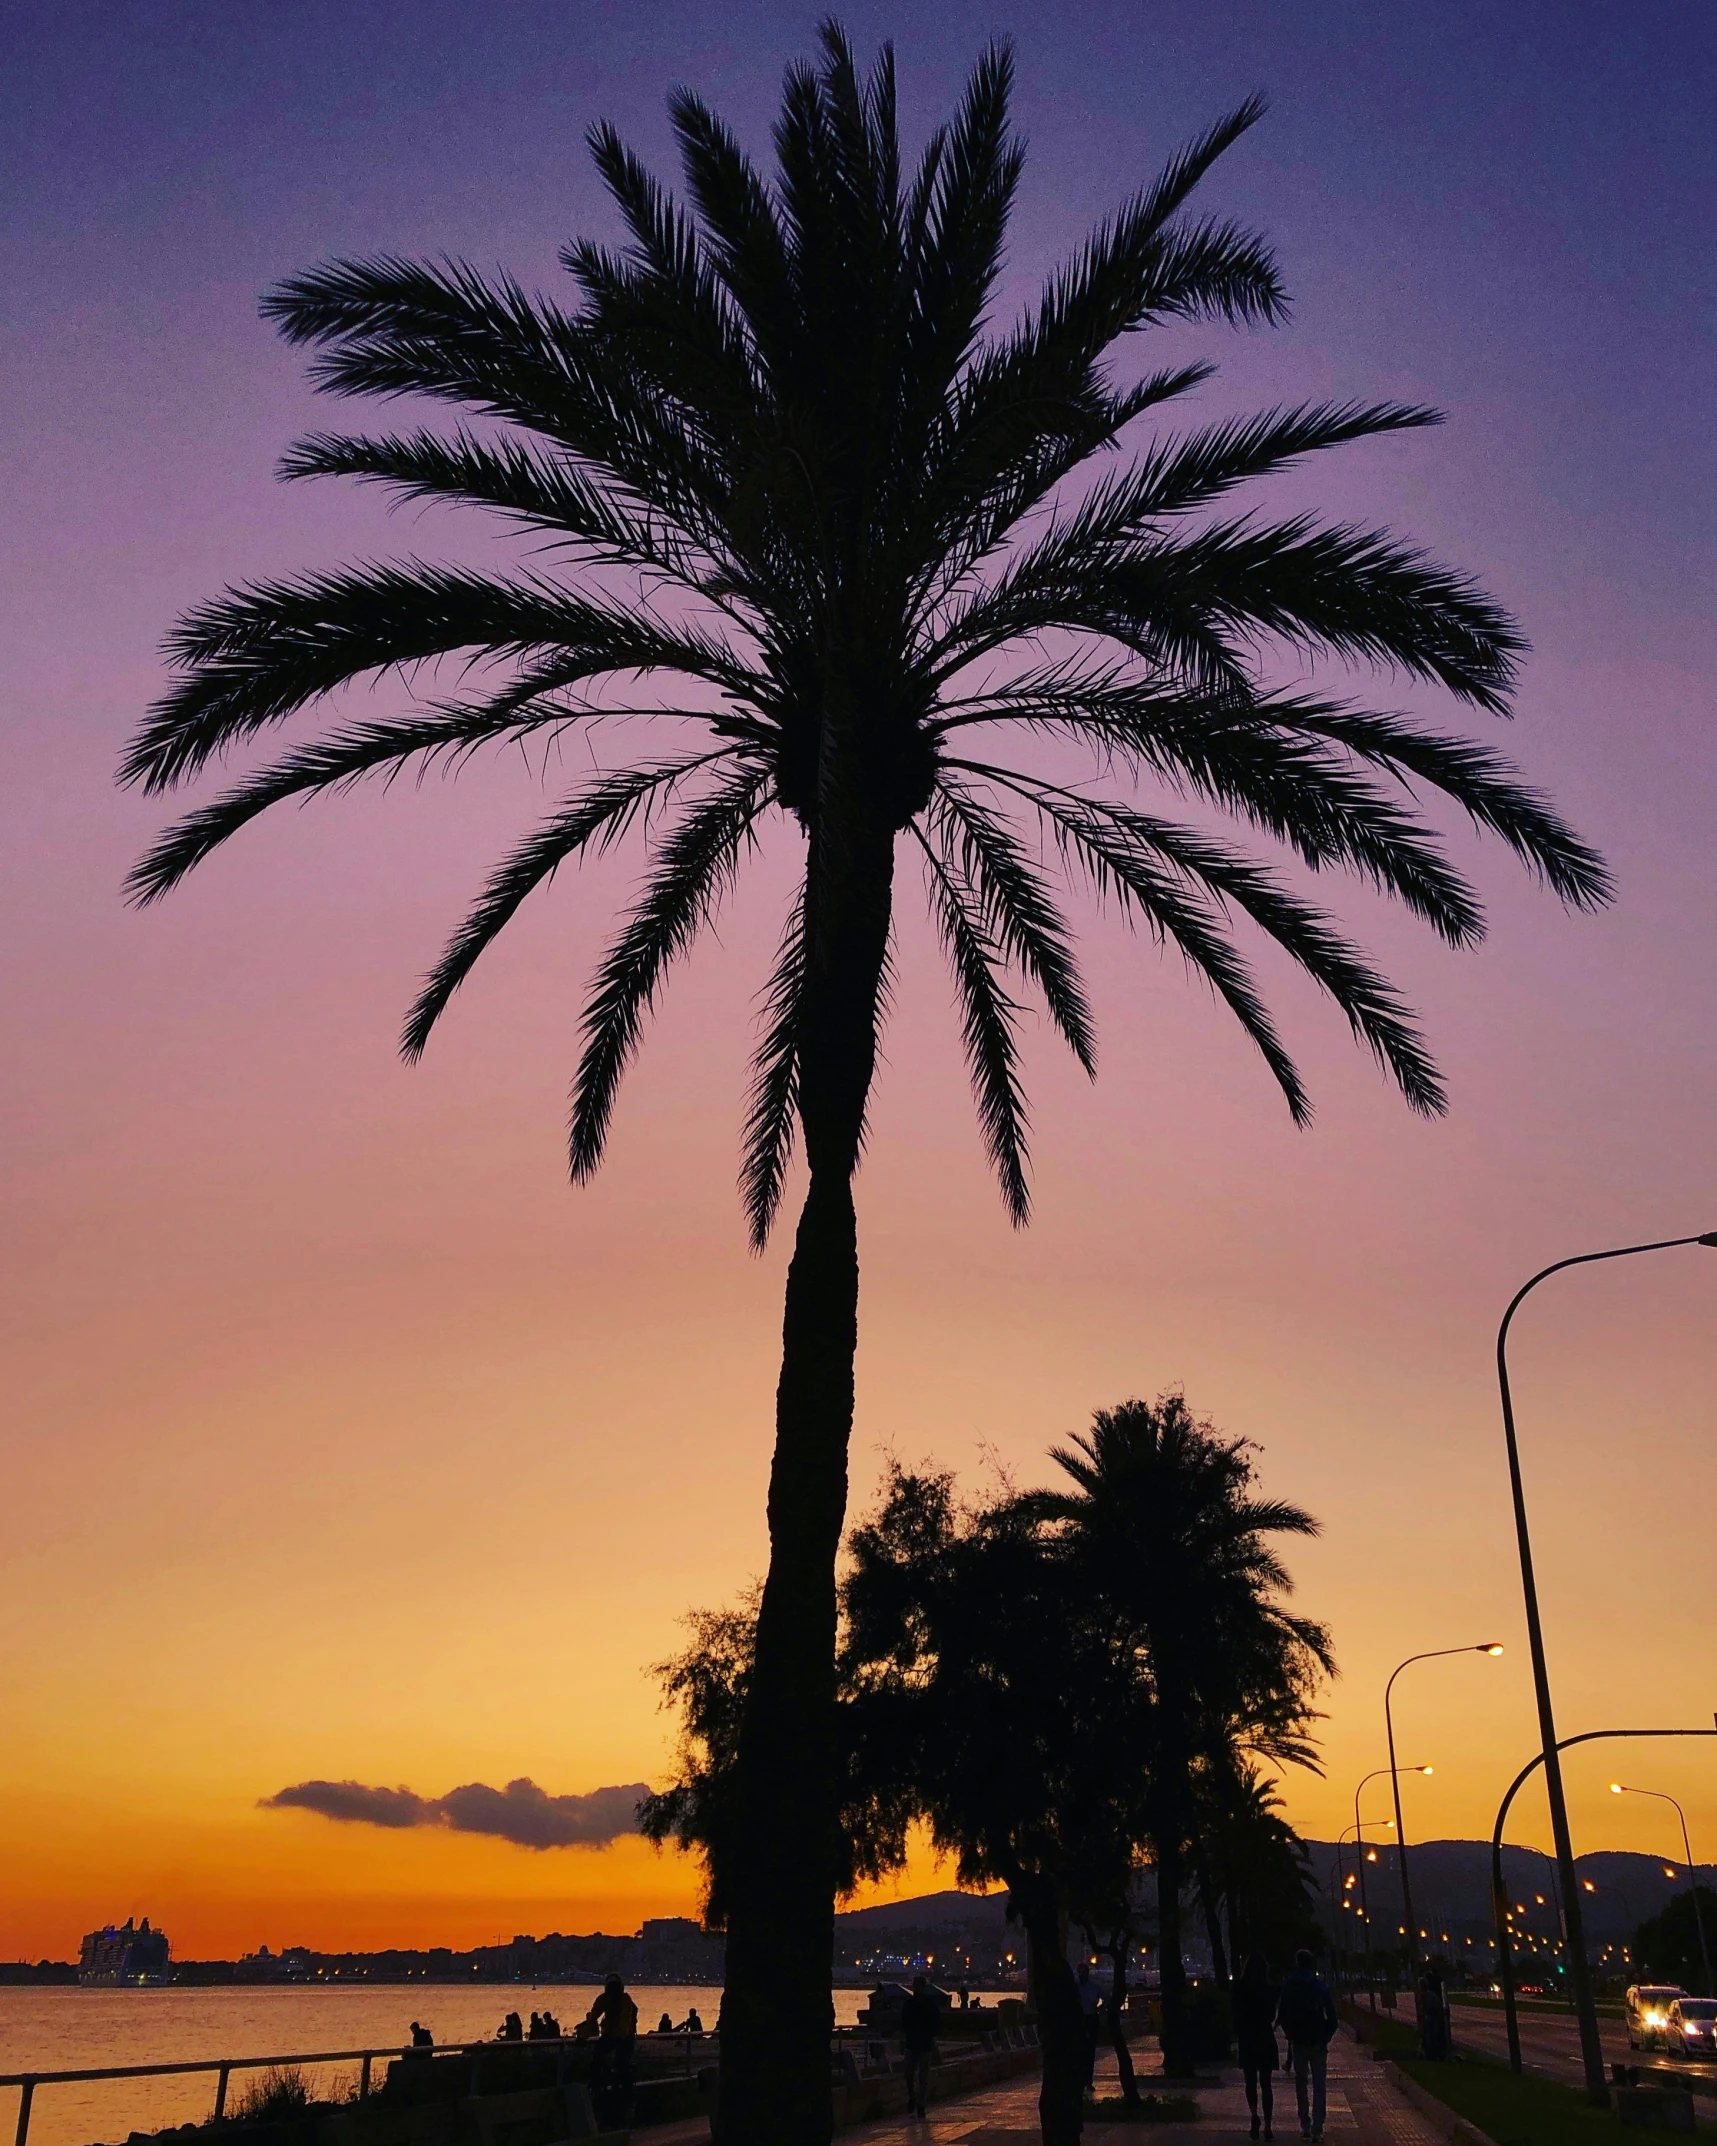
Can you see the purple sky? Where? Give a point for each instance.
(254, 1270)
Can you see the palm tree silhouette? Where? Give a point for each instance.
(1165, 1531)
(807, 509)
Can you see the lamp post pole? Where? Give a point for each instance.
(1339, 1892)
(1621, 1788)
(1499, 1892)
(1364, 1904)
(1435, 1654)
(1574, 1934)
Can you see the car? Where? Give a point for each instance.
(1691, 2028)
(1646, 2010)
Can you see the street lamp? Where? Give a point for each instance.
(1364, 1904)
(1436, 1654)
(1499, 1894)
(1619, 1788)
(1591, 2049)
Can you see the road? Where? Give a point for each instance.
(1550, 2042)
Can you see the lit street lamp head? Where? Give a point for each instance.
(1494, 1647)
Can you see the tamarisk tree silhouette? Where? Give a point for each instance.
(810, 510)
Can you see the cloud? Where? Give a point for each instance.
(524, 1813)
(352, 1802)
(521, 1812)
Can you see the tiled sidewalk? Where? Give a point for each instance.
(1363, 2110)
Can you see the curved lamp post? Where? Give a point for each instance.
(1591, 2050)
(1436, 1654)
(1499, 1895)
(1365, 1905)
(1338, 1890)
(1621, 1788)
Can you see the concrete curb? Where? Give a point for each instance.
(1442, 2119)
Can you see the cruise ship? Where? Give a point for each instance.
(125, 1956)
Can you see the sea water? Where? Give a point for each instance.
(77, 2029)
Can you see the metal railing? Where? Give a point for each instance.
(224, 2067)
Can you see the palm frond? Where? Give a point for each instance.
(596, 820)
(258, 654)
(987, 1023)
(346, 756)
(967, 193)
(390, 327)
(1124, 850)
(1203, 604)
(542, 491)
(1140, 267)
(1175, 475)
(1488, 787)
(740, 229)
(1222, 743)
(663, 311)
(1231, 750)
(771, 1119)
(1012, 447)
(697, 859)
(1018, 910)
(1353, 592)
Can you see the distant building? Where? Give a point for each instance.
(127, 1957)
(673, 1948)
(292, 1965)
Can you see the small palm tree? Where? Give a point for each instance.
(1251, 1864)
(808, 511)
(1165, 1532)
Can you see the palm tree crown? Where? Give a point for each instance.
(816, 512)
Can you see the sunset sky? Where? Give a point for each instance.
(341, 1440)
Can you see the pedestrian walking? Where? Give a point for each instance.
(1091, 2018)
(1255, 1998)
(920, 2016)
(1434, 2034)
(1305, 2012)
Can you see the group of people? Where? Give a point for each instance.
(544, 2027)
(691, 2024)
(612, 2022)
(1305, 2011)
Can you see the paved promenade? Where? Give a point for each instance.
(1364, 2110)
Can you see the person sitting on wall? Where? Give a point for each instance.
(551, 2027)
(512, 2029)
(665, 2025)
(693, 2024)
(421, 2038)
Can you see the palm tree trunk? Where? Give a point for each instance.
(777, 2008)
(1212, 1917)
(1055, 1996)
(1118, 2022)
(1177, 2054)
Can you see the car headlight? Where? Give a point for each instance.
(1654, 2019)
